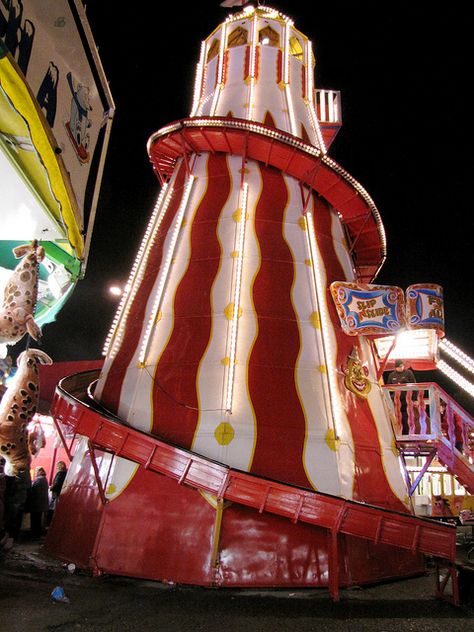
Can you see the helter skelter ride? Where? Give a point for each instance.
(238, 434)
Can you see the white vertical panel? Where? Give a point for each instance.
(213, 369)
(319, 459)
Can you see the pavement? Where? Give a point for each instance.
(28, 577)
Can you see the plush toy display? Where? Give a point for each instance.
(17, 409)
(21, 292)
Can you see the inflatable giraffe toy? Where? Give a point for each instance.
(17, 408)
(20, 295)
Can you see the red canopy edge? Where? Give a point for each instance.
(291, 155)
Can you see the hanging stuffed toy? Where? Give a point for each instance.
(17, 408)
(20, 295)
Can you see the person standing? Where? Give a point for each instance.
(56, 488)
(16, 497)
(402, 375)
(39, 502)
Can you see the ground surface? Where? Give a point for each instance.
(28, 576)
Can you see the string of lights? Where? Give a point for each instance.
(457, 354)
(456, 377)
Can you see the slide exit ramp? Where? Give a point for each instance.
(75, 413)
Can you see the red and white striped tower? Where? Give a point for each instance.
(227, 341)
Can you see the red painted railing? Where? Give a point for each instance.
(337, 514)
(424, 416)
(74, 412)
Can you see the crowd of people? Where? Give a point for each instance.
(19, 495)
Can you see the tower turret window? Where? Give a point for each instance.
(296, 49)
(268, 37)
(238, 37)
(213, 50)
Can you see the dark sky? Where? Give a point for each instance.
(404, 70)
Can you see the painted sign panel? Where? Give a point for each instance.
(425, 306)
(369, 309)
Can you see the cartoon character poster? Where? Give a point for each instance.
(54, 53)
(79, 122)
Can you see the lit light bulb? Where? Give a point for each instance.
(456, 377)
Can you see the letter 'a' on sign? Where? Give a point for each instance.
(369, 310)
(425, 306)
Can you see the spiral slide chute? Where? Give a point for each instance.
(338, 519)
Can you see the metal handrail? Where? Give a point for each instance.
(458, 426)
(418, 424)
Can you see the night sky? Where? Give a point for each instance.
(403, 69)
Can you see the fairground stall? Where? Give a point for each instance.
(55, 118)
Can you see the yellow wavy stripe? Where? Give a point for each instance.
(25, 104)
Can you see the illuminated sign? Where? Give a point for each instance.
(380, 310)
(369, 309)
(425, 306)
